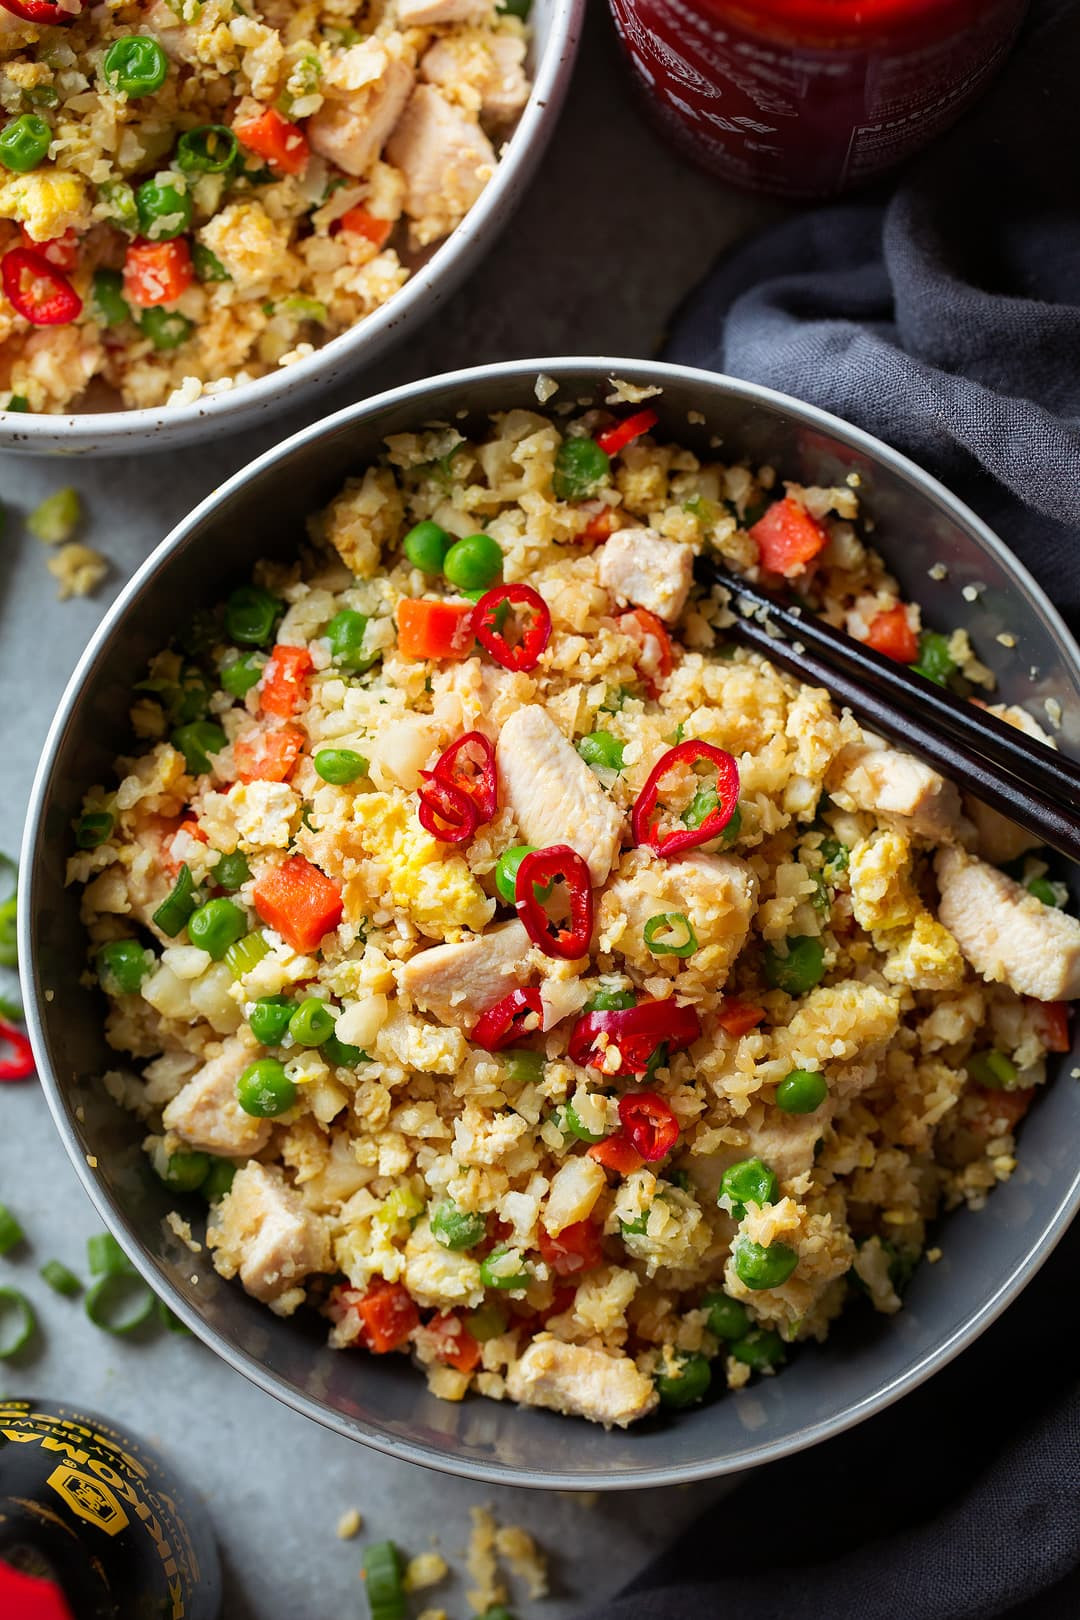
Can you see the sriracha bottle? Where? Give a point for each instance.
(808, 98)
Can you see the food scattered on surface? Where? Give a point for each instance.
(349, 1525)
(78, 569)
(534, 981)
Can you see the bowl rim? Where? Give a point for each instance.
(510, 373)
(157, 425)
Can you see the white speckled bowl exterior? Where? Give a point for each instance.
(869, 1360)
(556, 33)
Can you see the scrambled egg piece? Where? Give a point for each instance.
(437, 890)
(925, 957)
(882, 894)
(46, 201)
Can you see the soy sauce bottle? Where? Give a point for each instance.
(94, 1525)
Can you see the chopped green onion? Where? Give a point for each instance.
(601, 748)
(492, 1276)
(9, 950)
(992, 1069)
(210, 149)
(93, 828)
(11, 1233)
(572, 1124)
(245, 954)
(302, 308)
(173, 913)
(10, 1008)
(486, 1322)
(17, 1322)
(60, 1279)
(382, 1581)
(170, 1319)
(523, 1067)
(120, 1302)
(17, 402)
(208, 267)
(1044, 890)
(611, 1001)
(250, 616)
(57, 518)
(834, 856)
(669, 923)
(106, 1258)
(934, 660)
(197, 742)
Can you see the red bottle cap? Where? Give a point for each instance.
(25, 1597)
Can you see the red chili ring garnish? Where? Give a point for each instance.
(20, 1066)
(649, 1123)
(488, 625)
(45, 12)
(614, 439)
(520, 1013)
(469, 766)
(445, 812)
(577, 1248)
(542, 869)
(646, 829)
(36, 290)
(635, 1031)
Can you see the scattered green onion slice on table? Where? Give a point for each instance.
(11, 1233)
(57, 517)
(106, 1258)
(17, 1322)
(60, 1279)
(170, 1319)
(120, 1302)
(383, 1584)
(659, 929)
(172, 914)
(11, 1009)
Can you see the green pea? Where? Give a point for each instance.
(17, 402)
(241, 674)
(339, 766)
(571, 1121)
(800, 969)
(475, 563)
(992, 1069)
(456, 1228)
(24, 143)
(934, 660)
(122, 965)
(523, 1067)
(312, 1023)
(250, 616)
(216, 926)
(166, 328)
(492, 1276)
(210, 149)
(345, 633)
(761, 1348)
(93, 829)
(581, 467)
(748, 1182)
(206, 264)
(264, 1090)
(1043, 890)
(197, 742)
(164, 210)
(758, 1265)
(611, 1001)
(802, 1091)
(601, 748)
(727, 1318)
(426, 546)
(219, 1180)
(506, 870)
(232, 871)
(184, 1171)
(340, 1055)
(135, 66)
(488, 1321)
(682, 1380)
(269, 1019)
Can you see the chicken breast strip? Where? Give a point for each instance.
(1005, 933)
(555, 797)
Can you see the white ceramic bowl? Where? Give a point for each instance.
(556, 32)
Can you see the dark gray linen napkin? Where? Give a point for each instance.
(945, 318)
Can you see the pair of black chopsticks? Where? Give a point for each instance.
(1033, 785)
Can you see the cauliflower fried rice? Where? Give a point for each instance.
(195, 192)
(610, 1052)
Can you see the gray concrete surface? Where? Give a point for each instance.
(614, 232)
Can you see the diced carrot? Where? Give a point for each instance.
(739, 1017)
(657, 659)
(361, 223)
(788, 537)
(299, 901)
(284, 682)
(1052, 1023)
(577, 1248)
(601, 525)
(157, 272)
(283, 145)
(997, 1109)
(617, 1153)
(61, 251)
(386, 1311)
(267, 756)
(453, 1344)
(434, 629)
(892, 635)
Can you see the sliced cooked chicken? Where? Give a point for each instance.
(640, 566)
(1005, 933)
(445, 157)
(887, 781)
(588, 1383)
(352, 125)
(555, 797)
(206, 1113)
(459, 982)
(262, 1231)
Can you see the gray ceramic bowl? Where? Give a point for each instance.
(556, 33)
(869, 1361)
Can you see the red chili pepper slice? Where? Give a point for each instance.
(469, 766)
(614, 439)
(520, 1013)
(635, 1032)
(20, 1066)
(542, 869)
(37, 290)
(489, 625)
(445, 812)
(46, 12)
(649, 1123)
(577, 1248)
(647, 815)
(617, 1153)
(61, 251)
